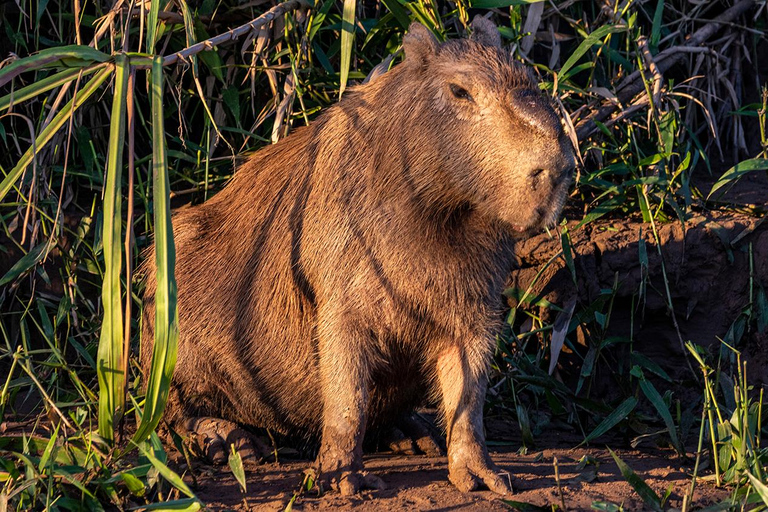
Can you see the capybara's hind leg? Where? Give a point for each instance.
(213, 436)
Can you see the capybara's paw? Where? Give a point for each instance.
(423, 434)
(413, 435)
(470, 475)
(212, 437)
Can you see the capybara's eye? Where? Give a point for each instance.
(460, 92)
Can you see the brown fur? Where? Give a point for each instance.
(358, 264)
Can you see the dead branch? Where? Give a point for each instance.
(633, 84)
(235, 33)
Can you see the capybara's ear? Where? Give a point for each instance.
(419, 43)
(484, 31)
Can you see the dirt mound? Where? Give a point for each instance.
(712, 263)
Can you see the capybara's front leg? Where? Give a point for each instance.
(345, 382)
(463, 394)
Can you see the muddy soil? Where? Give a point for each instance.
(421, 483)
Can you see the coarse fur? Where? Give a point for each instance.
(357, 265)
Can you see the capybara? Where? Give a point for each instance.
(356, 267)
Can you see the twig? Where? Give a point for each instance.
(235, 33)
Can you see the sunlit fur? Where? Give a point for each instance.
(341, 265)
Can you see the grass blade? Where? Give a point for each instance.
(44, 85)
(49, 131)
(737, 171)
(658, 402)
(645, 492)
(760, 487)
(347, 42)
(72, 56)
(110, 353)
(25, 263)
(612, 419)
(166, 310)
(171, 476)
(236, 465)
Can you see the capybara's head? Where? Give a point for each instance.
(502, 148)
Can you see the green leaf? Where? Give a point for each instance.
(737, 171)
(109, 359)
(760, 487)
(26, 262)
(72, 56)
(601, 209)
(399, 12)
(43, 85)
(134, 485)
(49, 131)
(658, 402)
(166, 309)
(171, 476)
(647, 494)
(183, 505)
(618, 414)
(347, 42)
(656, 27)
(586, 44)
(236, 465)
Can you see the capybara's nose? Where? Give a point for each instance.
(530, 107)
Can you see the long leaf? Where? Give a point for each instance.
(170, 475)
(649, 497)
(347, 41)
(497, 4)
(612, 419)
(658, 402)
(166, 309)
(737, 171)
(25, 263)
(73, 56)
(44, 85)
(49, 131)
(110, 353)
(760, 487)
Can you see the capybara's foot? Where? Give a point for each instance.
(213, 436)
(469, 471)
(413, 435)
(423, 433)
(348, 482)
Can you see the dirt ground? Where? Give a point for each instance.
(421, 483)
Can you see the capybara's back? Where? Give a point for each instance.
(356, 266)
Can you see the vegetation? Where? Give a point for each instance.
(112, 114)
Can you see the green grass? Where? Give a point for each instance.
(99, 142)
